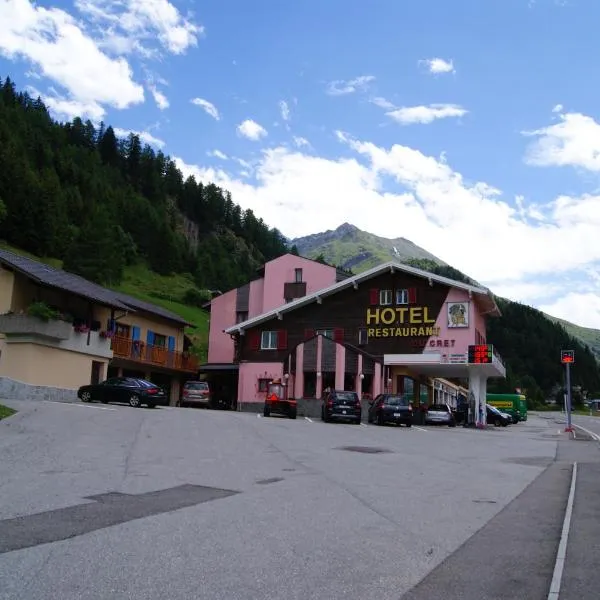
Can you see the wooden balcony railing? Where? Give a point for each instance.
(159, 356)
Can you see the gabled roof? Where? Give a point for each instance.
(44, 274)
(484, 295)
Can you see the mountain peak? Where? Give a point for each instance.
(347, 228)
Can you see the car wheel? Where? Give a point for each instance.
(151, 405)
(408, 424)
(267, 411)
(134, 401)
(293, 413)
(380, 420)
(86, 397)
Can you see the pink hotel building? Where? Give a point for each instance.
(393, 328)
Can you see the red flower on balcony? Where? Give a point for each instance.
(81, 328)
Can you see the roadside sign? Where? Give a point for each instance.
(567, 357)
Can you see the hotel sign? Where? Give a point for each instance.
(400, 321)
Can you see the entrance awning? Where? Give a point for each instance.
(435, 364)
(218, 367)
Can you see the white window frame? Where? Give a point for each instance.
(386, 297)
(297, 275)
(402, 296)
(363, 336)
(328, 333)
(268, 340)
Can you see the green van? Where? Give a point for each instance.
(513, 404)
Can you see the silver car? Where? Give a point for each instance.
(440, 414)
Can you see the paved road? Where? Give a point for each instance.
(110, 502)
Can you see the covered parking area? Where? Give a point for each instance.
(432, 365)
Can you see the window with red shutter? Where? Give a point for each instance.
(374, 296)
(338, 335)
(282, 339)
(412, 295)
(253, 339)
(309, 333)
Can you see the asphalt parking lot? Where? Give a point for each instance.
(111, 502)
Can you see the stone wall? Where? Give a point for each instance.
(17, 390)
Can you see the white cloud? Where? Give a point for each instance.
(432, 205)
(127, 25)
(161, 100)
(301, 142)
(69, 109)
(409, 115)
(251, 130)
(207, 106)
(574, 141)
(219, 154)
(558, 108)
(285, 110)
(438, 65)
(145, 137)
(582, 309)
(52, 40)
(382, 103)
(340, 87)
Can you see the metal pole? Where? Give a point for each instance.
(569, 427)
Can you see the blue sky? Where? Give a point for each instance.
(468, 127)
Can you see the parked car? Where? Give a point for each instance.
(440, 414)
(196, 393)
(497, 418)
(133, 391)
(391, 408)
(341, 406)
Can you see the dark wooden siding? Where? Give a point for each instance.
(351, 361)
(328, 355)
(242, 300)
(347, 310)
(310, 355)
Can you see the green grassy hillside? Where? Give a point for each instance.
(589, 336)
(167, 291)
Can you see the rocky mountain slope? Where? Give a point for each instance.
(350, 248)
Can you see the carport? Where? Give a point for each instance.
(452, 366)
(222, 379)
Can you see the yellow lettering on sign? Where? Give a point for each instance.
(426, 318)
(388, 316)
(378, 333)
(415, 315)
(370, 332)
(372, 316)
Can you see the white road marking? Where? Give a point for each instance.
(594, 436)
(363, 425)
(420, 429)
(561, 555)
(308, 419)
(259, 416)
(79, 405)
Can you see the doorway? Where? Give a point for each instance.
(97, 368)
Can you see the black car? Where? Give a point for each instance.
(341, 406)
(495, 417)
(391, 408)
(134, 392)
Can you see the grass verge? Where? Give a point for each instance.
(5, 411)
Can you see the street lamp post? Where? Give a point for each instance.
(567, 358)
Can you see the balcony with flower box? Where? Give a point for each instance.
(153, 356)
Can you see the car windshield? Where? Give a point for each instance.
(196, 385)
(396, 400)
(439, 407)
(493, 409)
(346, 396)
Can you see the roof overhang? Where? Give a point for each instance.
(435, 364)
(218, 367)
(482, 296)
